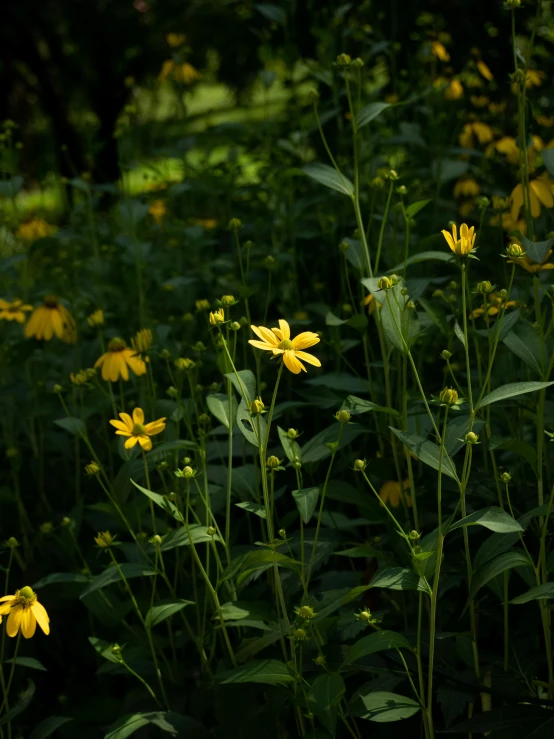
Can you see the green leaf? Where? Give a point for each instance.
(355, 406)
(435, 314)
(273, 13)
(329, 177)
(427, 452)
(538, 592)
(547, 156)
(159, 613)
(517, 446)
(316, 449)
(369, 112)
(459, 333)
(74, 425)
(29, 662)
(400, 324)
(413, 209)
(47, 727)
(528, 722)
(290, 446)
(383, 707)
(424, 256)
(218, 405)
(500, 564)
(255, 508)
(165, 504)
(24, 699)
(250, 426)
(537, 250)
(324, 697)
(60, 577)
(444, 170)
(242, 609)
(492, 518)
(511, 390)
(364, 550)
(268, 671)
(244, 384)
(172, 723)
(524, 342)
(111, 575)
(376, 642)
(306, 501)
(494, 545)
(180, 538)
(396, 578)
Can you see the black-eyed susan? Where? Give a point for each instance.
(454, 91)
(463, 245)
(14, 310)
(278, 341)
(117, 361)
(96, 318)
(392, 493)
(24, 612)
(136, 430)
(540, 191)
(51, 319)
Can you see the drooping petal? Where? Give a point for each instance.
(543, 192)
(123, 433)
(265, 334)
(28, 623)
(10, 598)
(138, 416)
(517, 201)
(48, 332)
(305, 340)
(131, 441)
(261, 345)
(135, 363)
(122, 366)
(145, 442)
(292, 363)
(309, 358)
(14, 620)
(39, 612)
(57, 323)
(534, 203)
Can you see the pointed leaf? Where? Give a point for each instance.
(370, 112)
(306, 501)
(48, 726)
(324, 697)
(165, 504)
(218, 405)
(501, 564)
(538, 592)
(112, 574)
(268, 671)
(329, 177)
(376, 642)
(383, 707)
(159, 613)
(24, 699)
(493, 518)
(511, 390)
(427, 452)
(244, 383)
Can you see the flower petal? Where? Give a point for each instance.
(28, 623)
(292, 363)
(138, 416)
(543, 192)
(131, 441)
(14, 620)
(155, 427)
(39, 612)
(285, 329)
(517, 201)
(145, 442)
(305, 340)
(265, 334)
(309, 358)
(261, 345)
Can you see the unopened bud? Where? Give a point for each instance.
(342, 416)
(360, 465)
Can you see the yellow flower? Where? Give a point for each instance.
(466, 187)
(484, 70)
(482, 131)
(104, 539)
(454, 91)
(495, 305)
(545, 121)
(392, 493)
(371, 303)
(534, 78)
(96, 318)
(175, 39)
(539, 192)
(207, 223)
(79, 378)
(529, 265)
(462, 246)
(480, 101)
(142, 341)
(92, 469)
(137, 430)
(117, 360)
(438, 50)
(466, 208)
(34, 229)
(300, 315)
(497, 108)
(14, 311)
(217, 316)
(507, 145)
(24, 612)
(49, 319)
(278, 341)
(158, 210)
(184, 72)
(392, 98)
(167, 69)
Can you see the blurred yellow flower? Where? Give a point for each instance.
(278, 341)
(438, 50)
(185, 72)
(104, 539)
(96, 318)
(462, 246)
(482, 131)
(115, 363)
(392, 493)
(497, 108)
(454, 91)
(175, 39)
(24, 612)
(207, 223)
(136, 430)
(545, 121)
(507, 146)
(480, 101)
(49, 319)
(540, 191)
(14, 310)
(466, 187)
(494, 305)
(79, 378)
(484, 70)
(35, 229)
(529, 265)
(142, 341)
(466, 208)
(371, 303)
(158, 210)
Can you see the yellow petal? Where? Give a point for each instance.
(28, 623)
(155, 427)
(305, 340)
(136, 364)
(261, 345)
(543, 192)
(122, 364)
(138, 416)
(14, 620)
(57, 323)
(131, 441)
(145, 442)
(309, 358)
(285, 329)
(292, 363)
(265, 334)
(39, 612)
(517, 201)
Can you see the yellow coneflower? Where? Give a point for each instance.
(479, 101)
(371, 303)
(545, 121)
(24, 612)
(104, 539)
(497, 108)
(392, 493)
(466, 187)
(34, 229)
(185, 72)
(51, 319)
(438, 50)
(482, 131)
(539, 192)
(142, 341)
(137, 430)
(529, 265)
(278, 341)
(96, 318)
(79, 378)
(14, 310)
(158, 210)
(462, 246)
(454, 91)
(207, 223)
(175, 39)
(495, 305)
(115, 363)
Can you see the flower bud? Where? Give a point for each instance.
(344, 60)
(228, 300)
(156, 540)
(445, 354)
(343, 416)
(184, 363)
(515, 251)
(471, 438)
(211, 531)
(234, 326)
(392, 174)
(505, 477)
(306, 612)
(66, 521)
(484, 287)
(217, 317)
(360, 465)
(235, 224)
(273, 462)
(57, 389)
(282, 533)
(202, 304)
(257, 406)
(300, 635)
(344, 246)
(448, 396)
(12, 542)
(172, 391)
(503, 294)
(92, 469)
(204, 419)
(292, 434)
(320, 660)
(402, 190)
(365, 616)
(384, 283)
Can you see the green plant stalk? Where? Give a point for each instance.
(2, 648)
(12, 670)
(382, 229)
(322, 503)
(147, 477)
(229, 491)
(140, 679)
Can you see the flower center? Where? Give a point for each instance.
(138, 429)
(286, 344)
(116, 345)
(51, 301)
(25, 597)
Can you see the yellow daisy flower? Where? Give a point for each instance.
(482, 131)
(96, 318)
(175, 39)
(158, 210)
(14, 310)
(278, 341)
(454, 91)
(466, 187)
(24, 612)
(462, 246)
(392, 493)
(49, 319)
(142, 341)
(495, 305)
(529, 265)
(137, 430)
(539, 192)
(117, 360)
(34, 229)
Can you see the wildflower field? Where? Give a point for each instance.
(276, 345)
